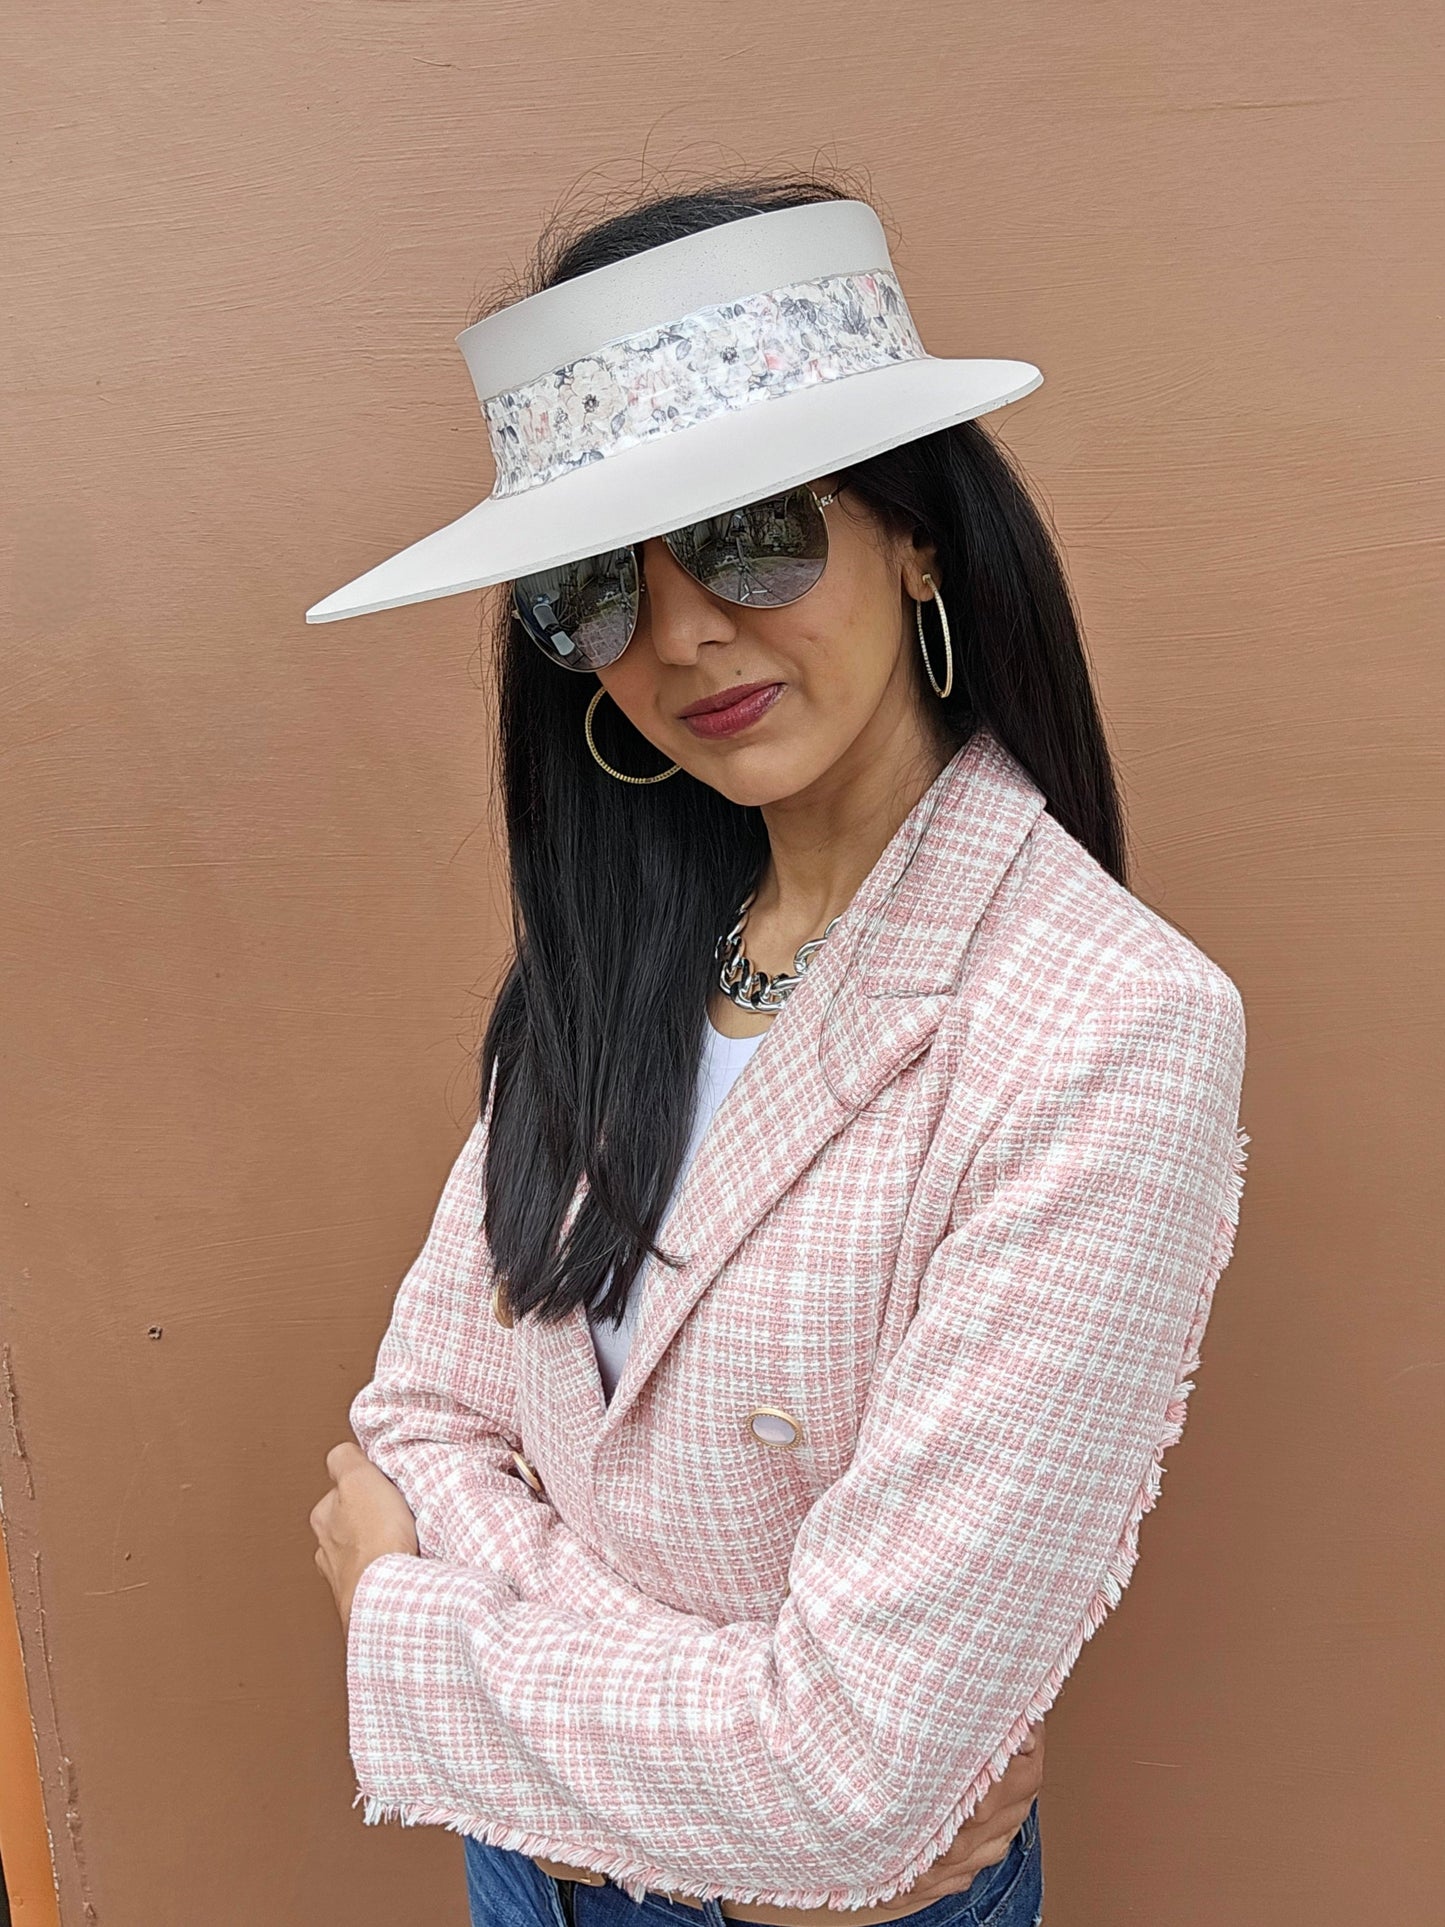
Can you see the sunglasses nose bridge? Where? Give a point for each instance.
(671, 540)
(681, 619)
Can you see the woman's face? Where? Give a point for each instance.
(845, 655)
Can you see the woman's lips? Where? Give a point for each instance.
(727, 722)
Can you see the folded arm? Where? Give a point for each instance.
(438, 1417)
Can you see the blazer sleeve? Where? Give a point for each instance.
(939, 1591)
(438, 1417)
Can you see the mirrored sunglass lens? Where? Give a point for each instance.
(582, 613)
(765, 553)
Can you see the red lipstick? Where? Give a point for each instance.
(731, 709)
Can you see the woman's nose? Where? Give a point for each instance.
(678, 611)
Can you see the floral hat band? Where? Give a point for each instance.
(660, 380)
(678, 383)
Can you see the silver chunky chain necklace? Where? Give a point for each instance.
(753, 989)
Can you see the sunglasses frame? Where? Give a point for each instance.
(740, 602)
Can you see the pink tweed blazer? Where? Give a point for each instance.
(959, 1222)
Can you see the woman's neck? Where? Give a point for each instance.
(825, 839)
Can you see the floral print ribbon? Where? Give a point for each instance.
(707, 363)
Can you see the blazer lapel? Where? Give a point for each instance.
(869, 1004)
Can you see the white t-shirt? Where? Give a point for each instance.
(722, 1060)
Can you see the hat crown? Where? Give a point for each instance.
(680, 334)
(727, 262)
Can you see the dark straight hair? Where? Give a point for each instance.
(620, 891)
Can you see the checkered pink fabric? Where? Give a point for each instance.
(961, 1218)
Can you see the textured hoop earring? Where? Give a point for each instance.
(621, 775)
(947, 640)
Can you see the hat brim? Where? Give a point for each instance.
(673, 479)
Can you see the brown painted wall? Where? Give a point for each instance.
(251, 907)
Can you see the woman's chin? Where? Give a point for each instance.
(756, 775)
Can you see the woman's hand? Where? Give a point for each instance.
(360, 1518)
(987, 1833)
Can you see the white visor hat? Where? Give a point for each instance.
(684, 381)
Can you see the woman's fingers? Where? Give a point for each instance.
(987, 1833)
(1019, 1782)
(1027, 1766)
(346, 1457)
(362, 1517)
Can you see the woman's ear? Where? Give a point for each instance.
(920, 558)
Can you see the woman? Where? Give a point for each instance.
(769, 1416)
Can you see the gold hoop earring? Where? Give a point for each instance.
(947, 640)
(621, 776)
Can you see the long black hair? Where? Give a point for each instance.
(619, 891)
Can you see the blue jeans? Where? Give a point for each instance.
(506, 1889)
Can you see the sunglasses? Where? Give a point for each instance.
(761, 556)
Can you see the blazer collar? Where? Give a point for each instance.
(869, 1004)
